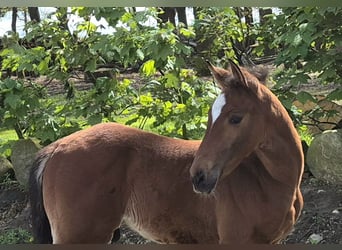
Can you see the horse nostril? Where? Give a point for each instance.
(198, 178)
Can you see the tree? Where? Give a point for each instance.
(225, 32)
(14, 19)
(175, 101)
(34, 14)
(168, 14)
(181, 12)
(308, 40)
(308, 45)
(262, 13)
(243, 47)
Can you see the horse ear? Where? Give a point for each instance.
(240, 79)
(219, 75)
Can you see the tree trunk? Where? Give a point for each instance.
(248, 13)
(244, 48)
(182, 15)
(34, 14)
(262, 13)
(14, 19)
(18, 131)
(168, 15)
(196, 11)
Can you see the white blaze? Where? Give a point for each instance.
(217, 107)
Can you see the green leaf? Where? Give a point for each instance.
(148, 68)
(131, 121)
(335, 95)
(328, 73)
(10, 83)
(167, 108)
(297, 40)
(286, 101)
(12, 100)
(63, 64)
(140, 54)
(46, 134)
(187, 32)
(43, 66)
(91, 65)
(180, 108)
(94, 119)
(304, 96)
(172, 81)
(146, 100)
(164, 52)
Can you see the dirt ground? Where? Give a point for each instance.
(320, 222)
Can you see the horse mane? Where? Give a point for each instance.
(260, 72)
(236, 76)
(254, 78)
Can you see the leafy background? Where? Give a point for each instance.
(171, 97)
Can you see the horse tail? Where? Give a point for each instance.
(40, 224)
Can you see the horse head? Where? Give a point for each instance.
(235, 126)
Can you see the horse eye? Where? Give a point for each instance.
(235, 119)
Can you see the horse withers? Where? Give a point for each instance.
(243, 185)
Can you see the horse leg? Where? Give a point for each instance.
(84, 227)
(86, 218)
(84, 230)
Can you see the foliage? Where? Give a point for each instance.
(171, 99)
(305, 134)
(24, 109)
(16, 236)
(220, 31)
(57, 52)
(17, 104)
(178, 102)
(309, 42)
(7, 137)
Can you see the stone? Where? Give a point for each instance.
(5, 166)
(324, 156)
(314, 239)
(22, 157)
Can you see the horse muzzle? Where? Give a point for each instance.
(205, 182)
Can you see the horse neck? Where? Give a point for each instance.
(281, 152)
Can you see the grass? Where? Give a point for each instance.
(8, 135)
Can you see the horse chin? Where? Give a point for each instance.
(207, 191)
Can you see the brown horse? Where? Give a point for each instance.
(249, 165)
